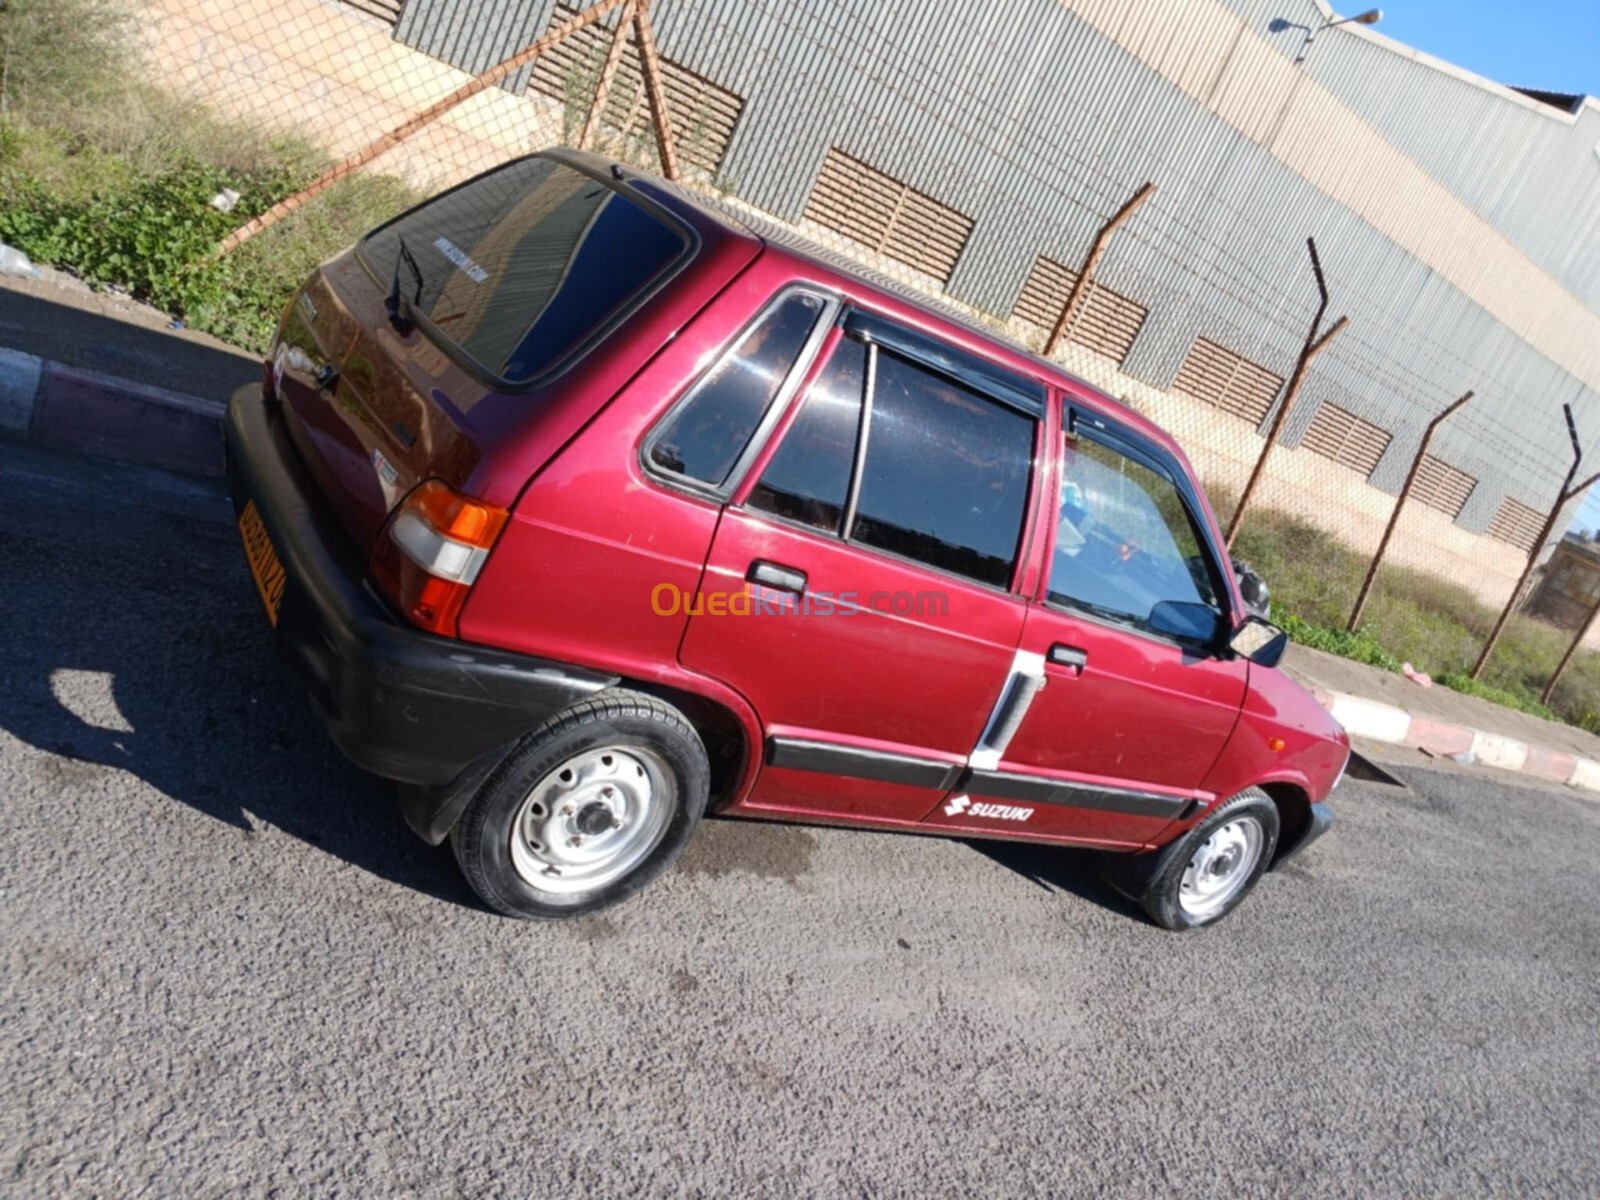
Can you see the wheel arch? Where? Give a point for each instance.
(432, 812)
(1293, 803)
(726, 735)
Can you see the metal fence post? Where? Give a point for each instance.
(1313, 347)
(1080, 286)
(655, 91)
(1577, 640)
(1394, 517)
(602, 90)
(405, 129)
(1567, 493)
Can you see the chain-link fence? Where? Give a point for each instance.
(979, 157)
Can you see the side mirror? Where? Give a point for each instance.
(1261, 643)
(1184, 619)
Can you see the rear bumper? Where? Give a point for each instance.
(426, 711)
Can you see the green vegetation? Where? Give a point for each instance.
(1437, 626)
(1360, 646)
(107, 176)
(1465, 683)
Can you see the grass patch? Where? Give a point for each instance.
(1472, 687)
(111, 178)
(1360, 645)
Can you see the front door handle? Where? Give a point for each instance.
(1063, 655)
(777, 577)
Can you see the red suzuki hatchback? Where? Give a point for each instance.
(583, 509)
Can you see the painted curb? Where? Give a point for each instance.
(1494, 750)
(1370, 719)
(80, 410)
(1550, 764)
(20, 375)
(1586, 775)
(57, 405)
(1394, 726)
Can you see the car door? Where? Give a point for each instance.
(876, 549)
(599, 543)
(1124, 693)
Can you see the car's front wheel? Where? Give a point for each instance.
(586, 810)
(1207, 873)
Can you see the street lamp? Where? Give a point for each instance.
(1371, 17)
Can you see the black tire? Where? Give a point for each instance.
(1172, 902)
(649, 735)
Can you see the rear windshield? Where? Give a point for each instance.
(521, 266)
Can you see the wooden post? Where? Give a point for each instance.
(1394, 517)
(608, 73)
(1080, 286)
(650, 68)
(1566, 494)
(1313, 347)
(424, 118)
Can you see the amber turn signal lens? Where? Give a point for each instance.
(430, 554)
(455, 516)
(1275, 744)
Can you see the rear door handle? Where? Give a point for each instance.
(1063, 655)
(777, 577)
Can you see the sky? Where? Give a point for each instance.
(1553, 45)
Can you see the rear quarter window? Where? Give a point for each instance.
(522, 267)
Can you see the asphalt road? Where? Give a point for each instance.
(229, 971)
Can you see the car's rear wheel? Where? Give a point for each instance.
(1206, 874)
(586, 810)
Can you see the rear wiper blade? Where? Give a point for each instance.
(402, 323)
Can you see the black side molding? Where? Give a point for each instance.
(1006, 785)
(829, 759)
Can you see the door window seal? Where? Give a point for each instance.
(779, 405)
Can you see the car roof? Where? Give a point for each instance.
(715, 218)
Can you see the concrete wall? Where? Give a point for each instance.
(321, 69)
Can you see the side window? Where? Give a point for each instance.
(946, 475)
(808, 478)
(1125, 542)
(944, 471)
(703, 436)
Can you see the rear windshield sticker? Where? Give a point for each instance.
(461, 259)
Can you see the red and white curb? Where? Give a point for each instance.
(1380, 722)
(57, 405)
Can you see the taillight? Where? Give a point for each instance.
(429, 556)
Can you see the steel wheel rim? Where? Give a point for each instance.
(591, 819)
(1221, 867)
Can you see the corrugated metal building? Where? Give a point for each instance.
(1459, 220)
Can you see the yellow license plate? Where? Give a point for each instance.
(264, 564)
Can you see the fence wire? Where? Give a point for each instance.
(973, 157)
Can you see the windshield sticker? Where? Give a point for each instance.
(461, 259)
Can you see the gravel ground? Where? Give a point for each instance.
(230, 971)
